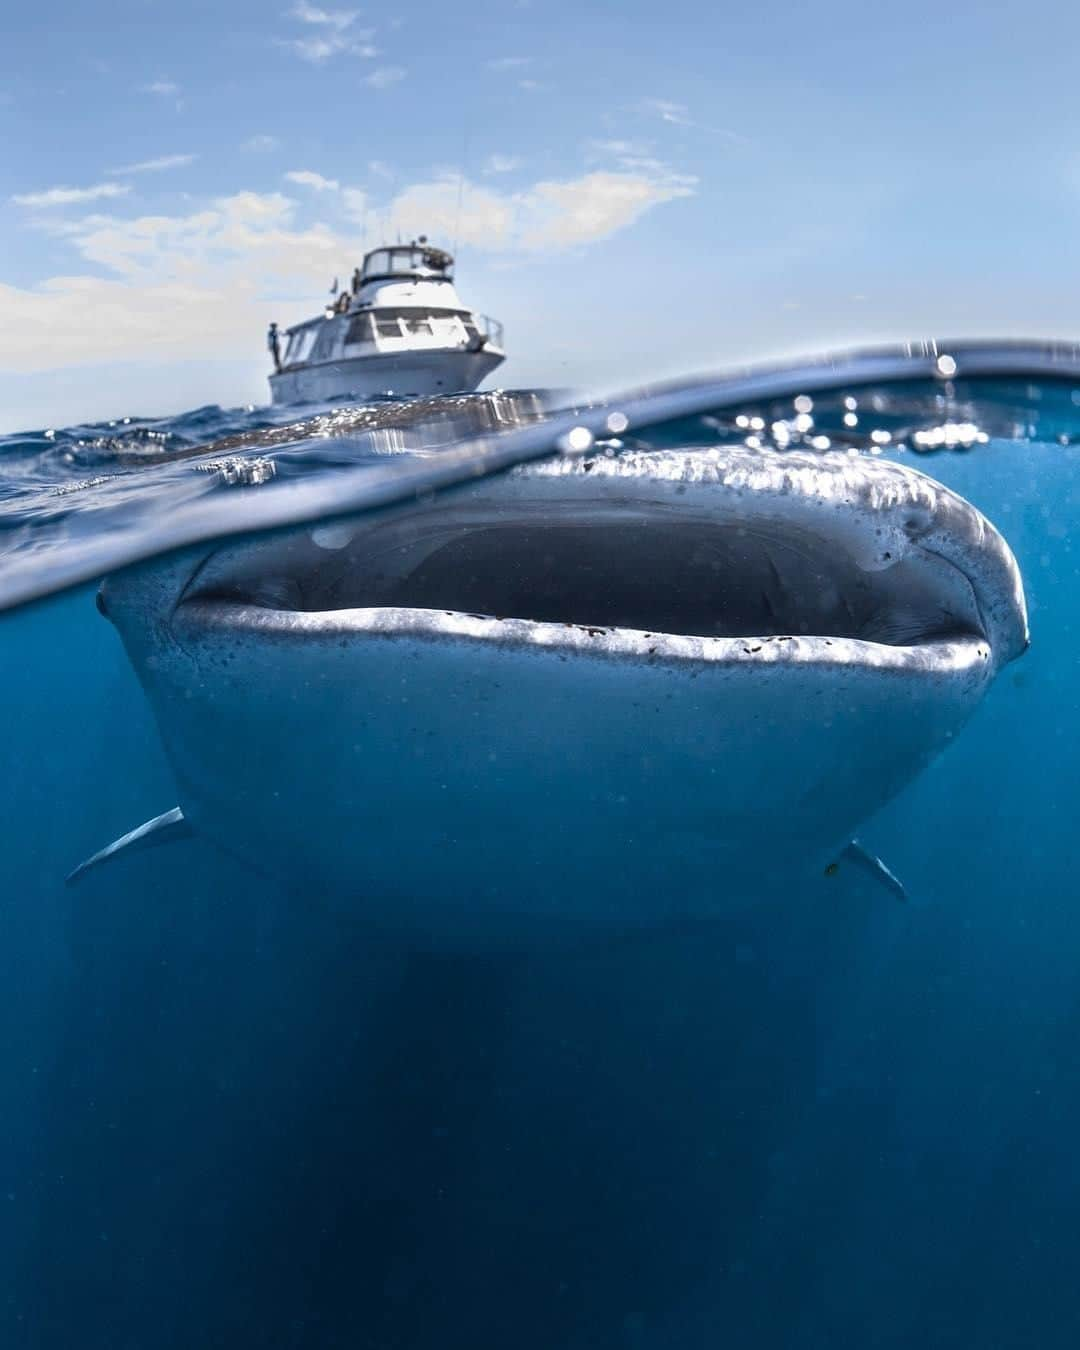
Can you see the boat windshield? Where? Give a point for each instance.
(448, 326)
(407, 260)
(301, 341)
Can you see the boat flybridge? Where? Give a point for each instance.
(399, 328)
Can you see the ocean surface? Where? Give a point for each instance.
(228, 1118)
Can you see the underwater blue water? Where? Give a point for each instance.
(226, 1120)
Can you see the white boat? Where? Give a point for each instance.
(399, 329)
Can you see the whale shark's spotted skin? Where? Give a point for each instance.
(624, 690)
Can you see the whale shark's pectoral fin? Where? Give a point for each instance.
(162, 829)
(872, 865)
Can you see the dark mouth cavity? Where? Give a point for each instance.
(661, 575)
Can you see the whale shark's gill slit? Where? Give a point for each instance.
(662, 575)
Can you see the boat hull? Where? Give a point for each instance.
(406, 374)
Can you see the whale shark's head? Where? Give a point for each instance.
(618, 688)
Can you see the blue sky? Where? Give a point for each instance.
(635, 191)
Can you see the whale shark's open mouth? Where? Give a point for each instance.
(665, 576)
(647, 552)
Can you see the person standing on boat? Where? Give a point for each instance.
(273, 342)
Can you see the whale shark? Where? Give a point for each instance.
(601, 689)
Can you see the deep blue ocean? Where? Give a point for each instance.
(228, 1118)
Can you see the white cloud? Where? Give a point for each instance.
(314, 49)
(452, 209)
(261, 143)
(548, 216)
(308, 178)
(561, 215)
(385, 77)
(356, 204)
(164, 88)
(501, 163)
(181, 246)
(675, 113)
(154, 165)
(531, 86)
(635, 155)
(331, 18)
(619, 148)
(322, 48)
(377, 168)
(509, 62)
(335, 35)
(65, 196)
(178, 287)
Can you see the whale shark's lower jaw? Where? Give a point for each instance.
(961, 654)
(807, 559)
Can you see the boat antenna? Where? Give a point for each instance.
(461, 185)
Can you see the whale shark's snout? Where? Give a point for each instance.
(613, 688)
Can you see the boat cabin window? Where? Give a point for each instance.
(324, 343)
(406, 260)
(416, 322)
(359, 330)
(319, 341)
(300, 344)
(388, 322)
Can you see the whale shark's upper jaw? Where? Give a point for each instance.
(719, 555)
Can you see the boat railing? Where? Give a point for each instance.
(491, 328)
